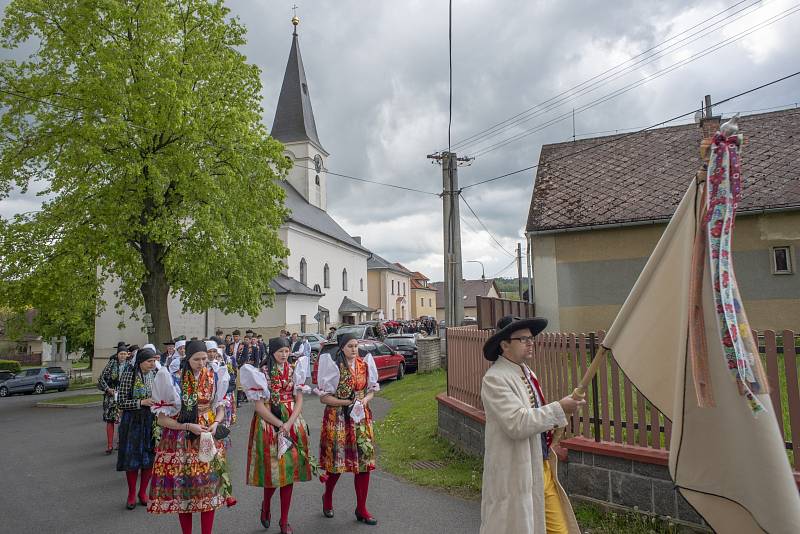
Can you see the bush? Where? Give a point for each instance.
(10, 365)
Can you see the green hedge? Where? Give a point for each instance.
(10, 365)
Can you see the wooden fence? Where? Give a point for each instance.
(616, 411)
(491, 310)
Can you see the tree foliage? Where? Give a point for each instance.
(143, 121)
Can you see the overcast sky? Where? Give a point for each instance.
(377, 74)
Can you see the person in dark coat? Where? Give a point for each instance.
(136, 443)
(108, 383)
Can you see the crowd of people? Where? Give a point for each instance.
(174, 411)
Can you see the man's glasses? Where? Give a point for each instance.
(528, 340)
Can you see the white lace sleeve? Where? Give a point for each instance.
(301, 374)
(327, 375)
(223, 379)
(254, 383)
(372, 373)
(165, 394)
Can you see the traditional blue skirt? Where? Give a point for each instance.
(136, 443)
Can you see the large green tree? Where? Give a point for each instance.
(142, 121)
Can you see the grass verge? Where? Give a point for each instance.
(595, 520)
(85, 385)
(75, 399)
(408, 434)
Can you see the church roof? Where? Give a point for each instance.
(284, 285)
(350, 306)
(312, 217)
(294, 117)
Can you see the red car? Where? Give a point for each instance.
(390, 364)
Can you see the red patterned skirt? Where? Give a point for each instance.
(181, 482)
(339, 447)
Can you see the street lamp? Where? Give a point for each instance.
(483, 270)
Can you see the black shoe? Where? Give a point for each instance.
(369, 520)
(109, 451)
(326, 513)
(265, 516)
(130, 506)
(143, 502)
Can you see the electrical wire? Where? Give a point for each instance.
(637, 132)
(504, 269)
(484, 227)
(602, 78)
(629, 87)
(364, 180)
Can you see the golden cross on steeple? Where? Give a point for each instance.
(295, 19)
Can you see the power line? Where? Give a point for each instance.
(364, 180)
(504, 269)
(484, 226)
(637, 132)
(626, 88)
(563, 96)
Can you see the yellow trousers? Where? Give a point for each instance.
(553, 512)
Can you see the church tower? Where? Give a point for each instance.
(294, 126)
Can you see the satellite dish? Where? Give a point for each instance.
(698, 115)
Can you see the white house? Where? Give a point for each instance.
(326, 277)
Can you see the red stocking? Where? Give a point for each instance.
(327, 497)
(144, 481)
(362, 488)
(131, 476)
(110, 435)
(186, 523)
(206, 522)
(265, 513)
(286, 502)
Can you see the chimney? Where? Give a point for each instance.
(709, 125)
(357, 239)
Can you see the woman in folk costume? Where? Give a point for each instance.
(521, 493)
(190, 471)
(346, 444)
(108, 383)
(216, 358)
(136, 447)
(277, 454)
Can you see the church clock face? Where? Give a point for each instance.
(318, 163)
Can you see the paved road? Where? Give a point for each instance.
(55, 477)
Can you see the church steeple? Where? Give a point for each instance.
(294, 117)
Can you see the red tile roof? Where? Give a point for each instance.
(642, 177)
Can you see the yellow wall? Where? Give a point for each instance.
(417, 309)
(753, 235)
(374, 290)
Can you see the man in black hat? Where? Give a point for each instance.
(169, 347)
(521, 493)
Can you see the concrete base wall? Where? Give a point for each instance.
(461, 430)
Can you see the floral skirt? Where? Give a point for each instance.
(264, 468)
(110, 410)
(345, 447)
(136, 444)
(181, 482)
(230, 410)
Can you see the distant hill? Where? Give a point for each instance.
(509, 285)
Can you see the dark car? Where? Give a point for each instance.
(405, 344)
(389, 362)
(37, 380)
(361, 331)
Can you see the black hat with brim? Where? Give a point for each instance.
(170, 342)
(122, 347)
(507, 326)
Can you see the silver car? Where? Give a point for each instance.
(37, 380)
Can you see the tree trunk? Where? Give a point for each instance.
(155, 291)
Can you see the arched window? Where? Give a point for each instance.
(303, 271)
(317, 288)
(361, 284)
(344, 279)
(326, 276)
(316, 179)
(392, 287)
(404, 288)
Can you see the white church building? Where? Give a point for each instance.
(325, 282)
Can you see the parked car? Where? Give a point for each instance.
(405, 344)
(390, 363)
(37, 380)
(361, 331)
(316, 341)
(5, 375)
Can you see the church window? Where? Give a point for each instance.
(303, 271)
(392, 287)
(326, 276)
(344, 280)
(361, 284)
(305, 89)
(316, 179)
(317, 288)
(404, 288)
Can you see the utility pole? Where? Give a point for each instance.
(519, 269)
(453, 279)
